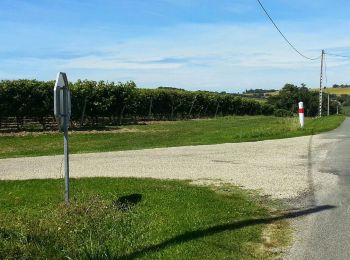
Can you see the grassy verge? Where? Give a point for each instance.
(130, 218)
(180, 133)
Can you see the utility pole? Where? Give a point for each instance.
(321, 78)
(328, 106)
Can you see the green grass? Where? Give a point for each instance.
(167, 134)
(168, 220)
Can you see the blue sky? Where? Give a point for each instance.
(194, 44)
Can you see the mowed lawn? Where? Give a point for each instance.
(129, 218)
(166, 134)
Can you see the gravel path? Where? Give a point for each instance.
(283, 169)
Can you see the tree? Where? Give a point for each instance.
(290, 95)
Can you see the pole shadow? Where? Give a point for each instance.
(197, 234)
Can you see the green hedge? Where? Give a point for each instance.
(283, 113)
(117, 101)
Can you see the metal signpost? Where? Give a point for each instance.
(62, 111)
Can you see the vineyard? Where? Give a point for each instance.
(29, 104)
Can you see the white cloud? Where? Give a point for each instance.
(210, 56)
(101, 63)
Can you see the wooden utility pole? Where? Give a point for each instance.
(321, 78)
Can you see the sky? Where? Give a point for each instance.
(191, 44)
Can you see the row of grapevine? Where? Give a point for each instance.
(118, 102)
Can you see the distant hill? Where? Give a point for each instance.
(258, 94)
(259, 91)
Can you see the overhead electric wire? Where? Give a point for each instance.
(337, 55)
(285, 38)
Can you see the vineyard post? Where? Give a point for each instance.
(217, 108)
(83, 113)
(150, 108)
(192, 104)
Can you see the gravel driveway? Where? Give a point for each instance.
(283, 169)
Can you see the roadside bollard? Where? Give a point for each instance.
(301, 114)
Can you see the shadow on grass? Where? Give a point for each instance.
(197, 234)
(125, 203)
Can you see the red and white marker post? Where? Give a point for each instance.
(301, 114)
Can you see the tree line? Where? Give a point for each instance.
(341, 86)
(102, 102)
(286, 102)
(259, 91)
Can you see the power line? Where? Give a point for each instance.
(337, 55)
(285, 38)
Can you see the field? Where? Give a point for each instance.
(165, 134)
(250, 96)
(338, 91)
(335, 91)
(134, 218)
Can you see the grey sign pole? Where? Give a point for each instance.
(62, 111)
(66, 144)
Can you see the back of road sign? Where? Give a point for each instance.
(62, 100)
(62, 111)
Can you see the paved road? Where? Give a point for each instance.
(278, 168)
(326, 235)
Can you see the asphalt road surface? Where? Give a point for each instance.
(326, 234)
(276, 168)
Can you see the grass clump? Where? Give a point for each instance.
(128, 218)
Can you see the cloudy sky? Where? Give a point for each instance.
(193, 44)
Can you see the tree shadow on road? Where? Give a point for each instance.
(197, 234)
